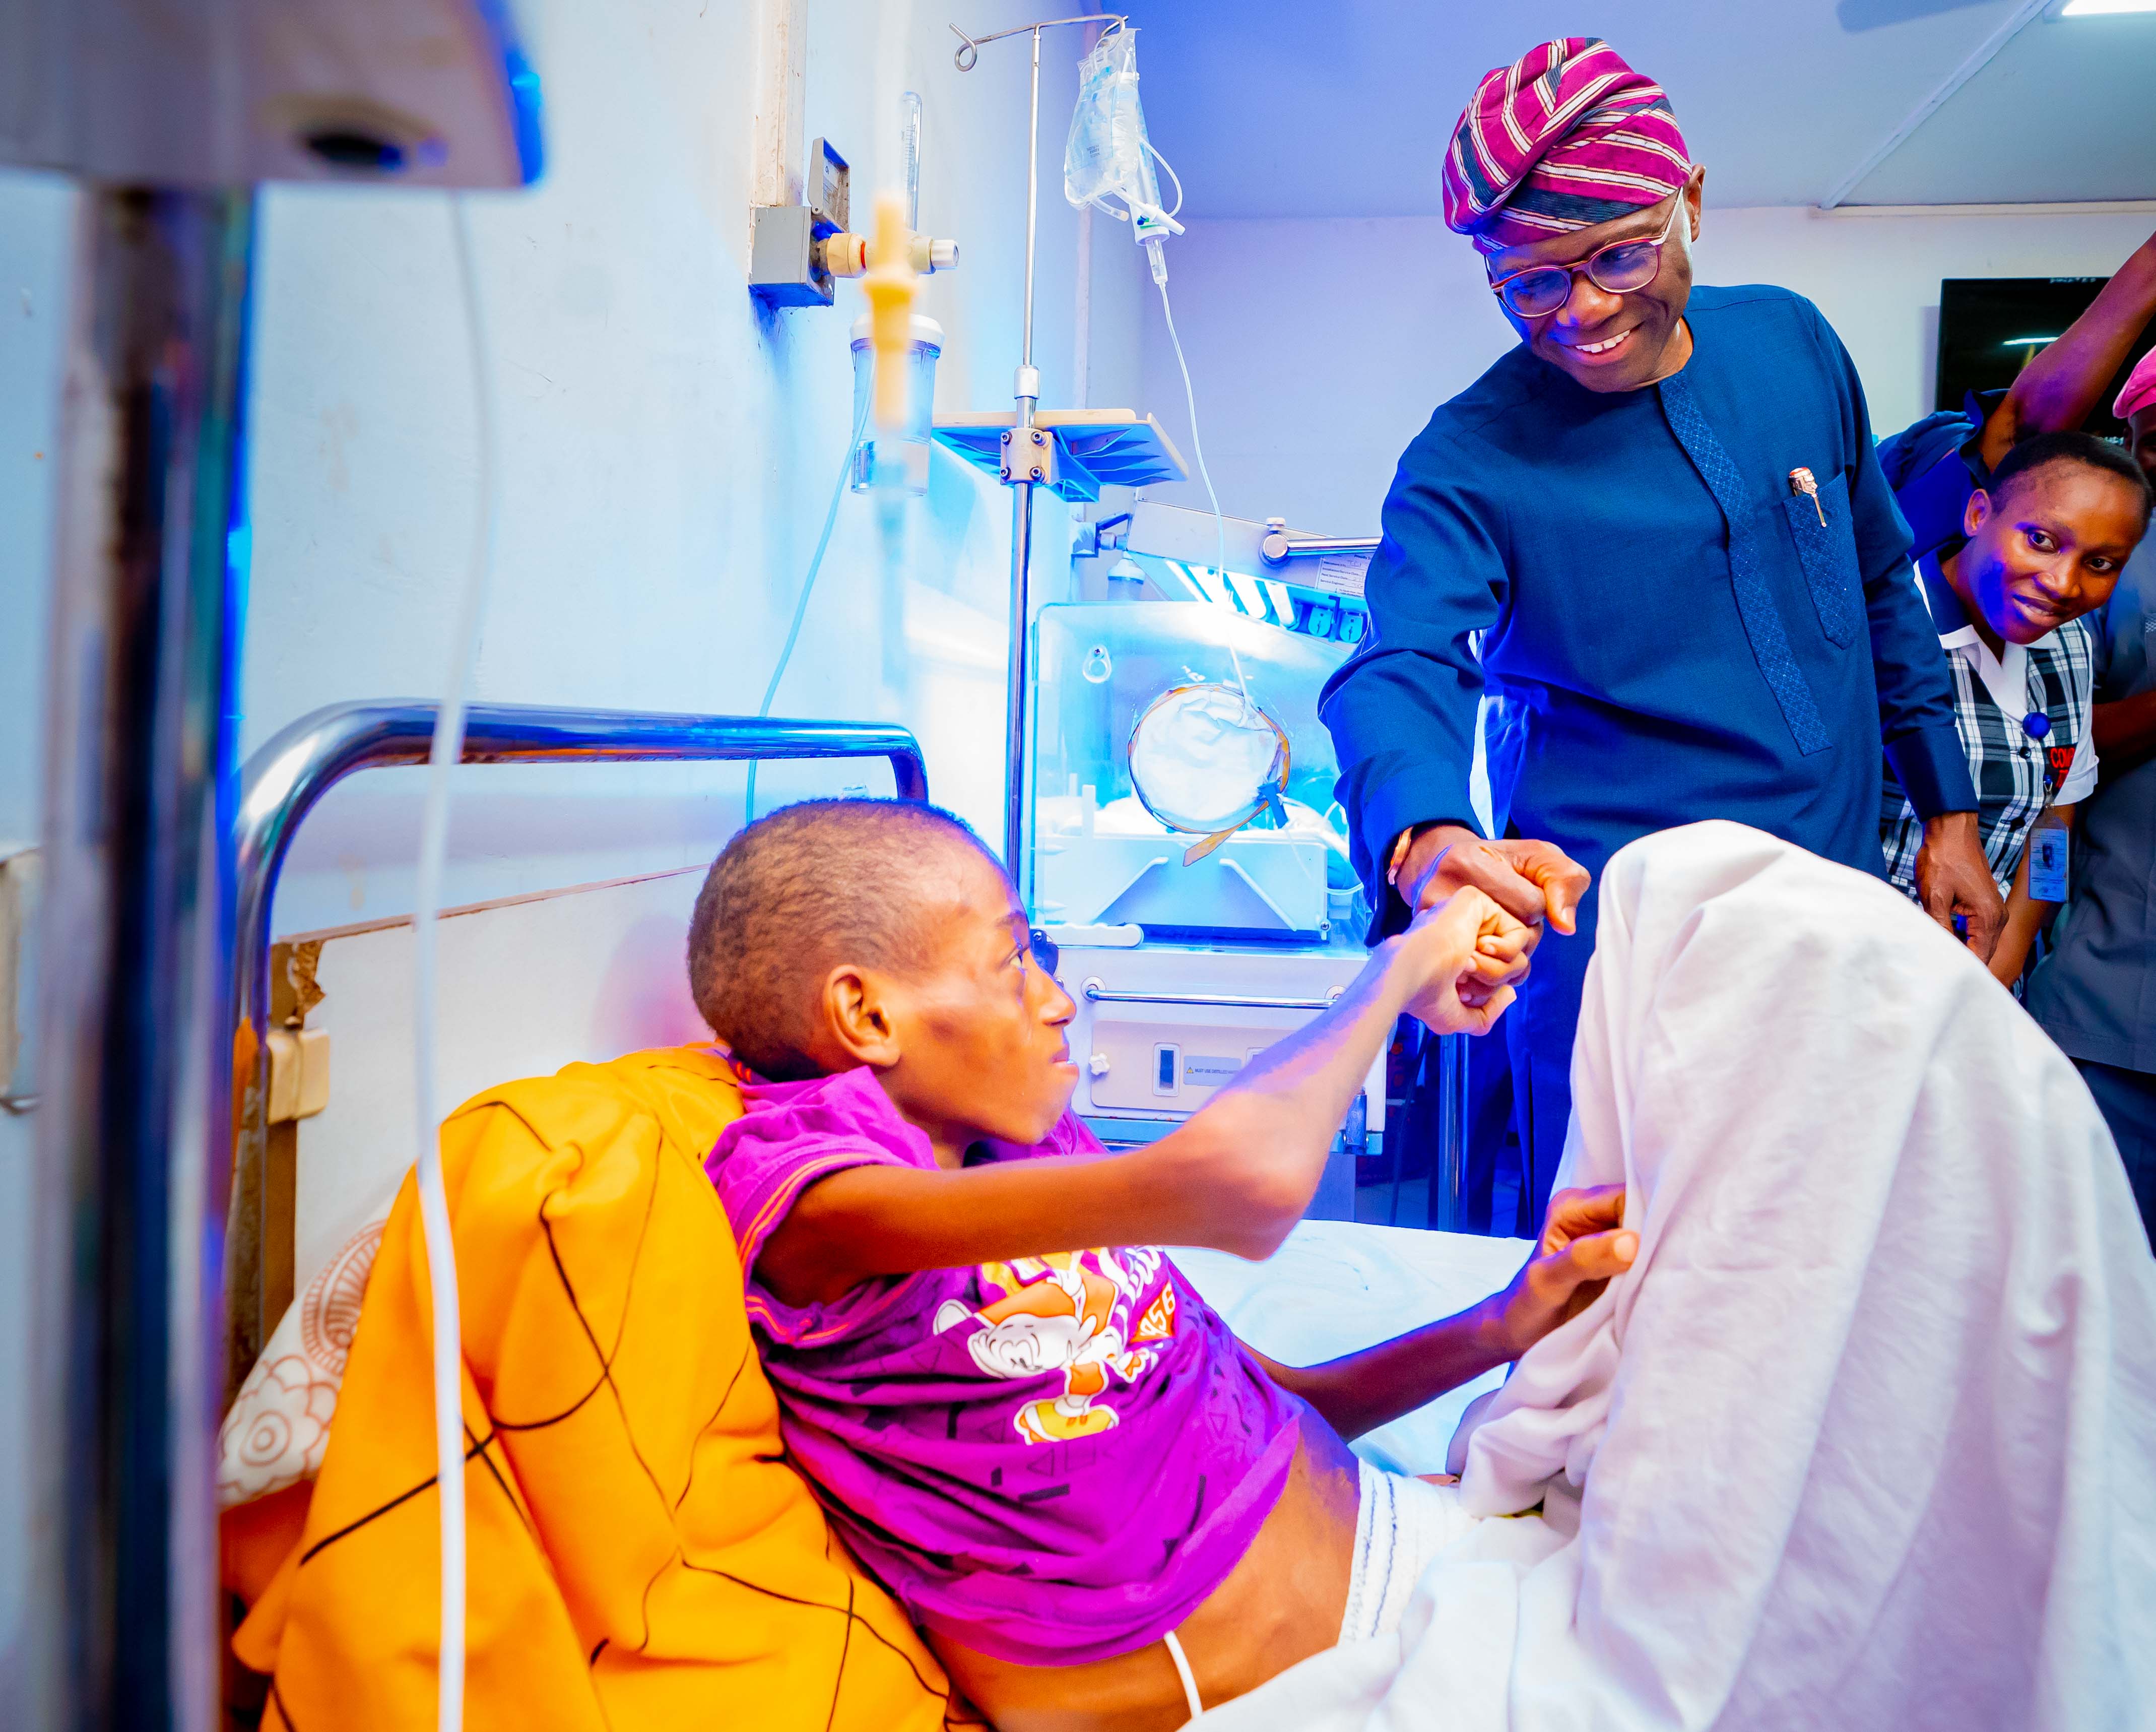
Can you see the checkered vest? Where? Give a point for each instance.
(2016, 777)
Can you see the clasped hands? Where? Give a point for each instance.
(1479, 908)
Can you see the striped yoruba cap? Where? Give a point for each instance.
(1565, 137)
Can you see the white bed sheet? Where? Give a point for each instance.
(1336, 1285)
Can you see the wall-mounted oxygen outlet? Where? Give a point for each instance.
(786, 265)
(796, 251)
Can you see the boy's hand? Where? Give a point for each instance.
(1580, 1249)
(1583, 1244)
(1468, 952)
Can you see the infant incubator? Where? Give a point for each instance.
(1188, 857)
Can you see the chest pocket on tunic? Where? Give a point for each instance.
(1828, 551)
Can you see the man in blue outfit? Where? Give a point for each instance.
(1660, 520)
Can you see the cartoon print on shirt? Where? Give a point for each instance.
(1068, 1311)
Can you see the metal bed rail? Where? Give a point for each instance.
(283, 782)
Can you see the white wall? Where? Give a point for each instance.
(1319, 347)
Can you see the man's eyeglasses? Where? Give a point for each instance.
(1618, 269)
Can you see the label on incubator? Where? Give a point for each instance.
(1342, 573)
(1205, 1071)
(2048, 856)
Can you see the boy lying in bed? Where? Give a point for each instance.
(1101, 1508)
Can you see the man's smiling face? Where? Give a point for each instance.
(1606, 341)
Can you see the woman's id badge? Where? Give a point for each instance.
(2048, 859)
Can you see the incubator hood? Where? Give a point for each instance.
(1103, 857)
(1308, 584)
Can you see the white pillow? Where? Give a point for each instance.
(280, 1422)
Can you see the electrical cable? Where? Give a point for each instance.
(1198, 448)
(446, 752)
(808, 588)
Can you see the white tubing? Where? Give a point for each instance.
(433, 845)
(1198, 449)
(807, 589)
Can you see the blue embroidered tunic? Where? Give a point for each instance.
(1645, 681)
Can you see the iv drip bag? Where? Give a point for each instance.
(1204, 759)
(1108, 156)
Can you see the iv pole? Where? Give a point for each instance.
(1021, 481)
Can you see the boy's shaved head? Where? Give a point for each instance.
(794, 894)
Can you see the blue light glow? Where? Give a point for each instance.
(522, 78)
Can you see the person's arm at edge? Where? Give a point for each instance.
(2126, 732)
(2025, 918)
(1584, 1243)
(2066, 379)
(2025, 915)
(1235, 1176)
(2122, 729)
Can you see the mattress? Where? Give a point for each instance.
(1336, 1285)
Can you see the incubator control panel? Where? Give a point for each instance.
(1144, 1066)
(1161, 1028)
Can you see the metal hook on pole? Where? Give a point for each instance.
(968, 53)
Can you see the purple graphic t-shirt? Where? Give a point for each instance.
(1053, 1459)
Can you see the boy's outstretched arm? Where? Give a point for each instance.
(1581, 1246)
(1236, 1176)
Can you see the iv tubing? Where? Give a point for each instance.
(1197, 447)
(433, 845)
(1172, 175)
(807, 589)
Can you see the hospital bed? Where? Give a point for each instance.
(310, 1192)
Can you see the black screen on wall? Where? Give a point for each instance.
(1988, 327)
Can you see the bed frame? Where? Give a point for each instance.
(281, 784)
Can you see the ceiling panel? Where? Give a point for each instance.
(2064, 114)
(1342, 107)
